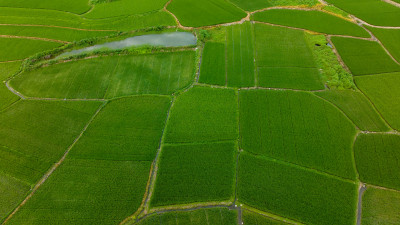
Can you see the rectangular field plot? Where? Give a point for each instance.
(251, 218)
(73, 6)
(240, 55)
(357, 107)
(203, 114)
(37, 133)
(18, 48)
(195, 173)
(383, 90)
(312, 20)
(380, 207)
(87, 192)
(213, 64)
(125, 129)
(295, 193)
(12, 192)
(297, 127)
(390, 39)
(217, 216)
(364, 57)
(378, 159)
(110, 76)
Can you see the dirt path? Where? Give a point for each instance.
(54, 167)
(361, 191)
(392, 3)
(14, 91)
(34, 38)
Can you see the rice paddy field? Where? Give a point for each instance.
(213, 112)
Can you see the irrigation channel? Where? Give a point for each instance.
(171, 39)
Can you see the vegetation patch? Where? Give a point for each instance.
(295, 193)
(380, 207)
(378, 159)
(195, 173)
(277, 124)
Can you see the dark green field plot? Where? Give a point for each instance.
(327, 23)
(250, 218)
(364, 57)
(240, 56)
(383, 91)
(51, 32)
(213, 64)
(195, 173)
(74, 6)
(37, 133)
(217, 216)
(390, 39)
(284, 59)
(193, 13)
(110, 76)
(374, 12)
(378, 159)
(17, 48)
(203, 114)
(125, 129)
(380, 207)
(357, 107)
(295, 193)
(87, 192)
(124, 8)
(12, 192)
(297, 127)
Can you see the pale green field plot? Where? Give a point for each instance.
(251, 218)
(73, 6)
(261, 4)
(383, 91)
(390, 39)
(195, 173)
(380, 207)
(18, 48)
(12, 192)
(297, 127)
(193, 13)
(374, 12)
(52, 32)
(125, 129)
(213, 64)
(8, 69)
(124, 8)
(240, 55)
(313, 20)
(203, 114)
(110, 76)
(357, 107)
(295, 193)
(377, 158)
(87, 192)
(364, 57)
(220, 216)
(37, 133)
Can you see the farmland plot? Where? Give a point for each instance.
(17, 48)
(250, 218)
(294, 192)
(213, 64)
(357, 107)
(383, 91)
(193, 13)
(8, 69)
(284, 59)
(240, 55)
(378, 159)
(380, 207)
(125, 129)
(374, 12)
(220, 216)
(195, 173)
(261, 4)
(390, 39)
(87, 192)
(328, 24)
(110, 76)
(6, 97)
(73, 6)
(364, 57)
(278, 124)
(203, 114)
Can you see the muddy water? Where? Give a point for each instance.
(174, 39)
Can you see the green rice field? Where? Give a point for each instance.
(187, 112)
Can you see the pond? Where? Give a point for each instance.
(173, 39)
